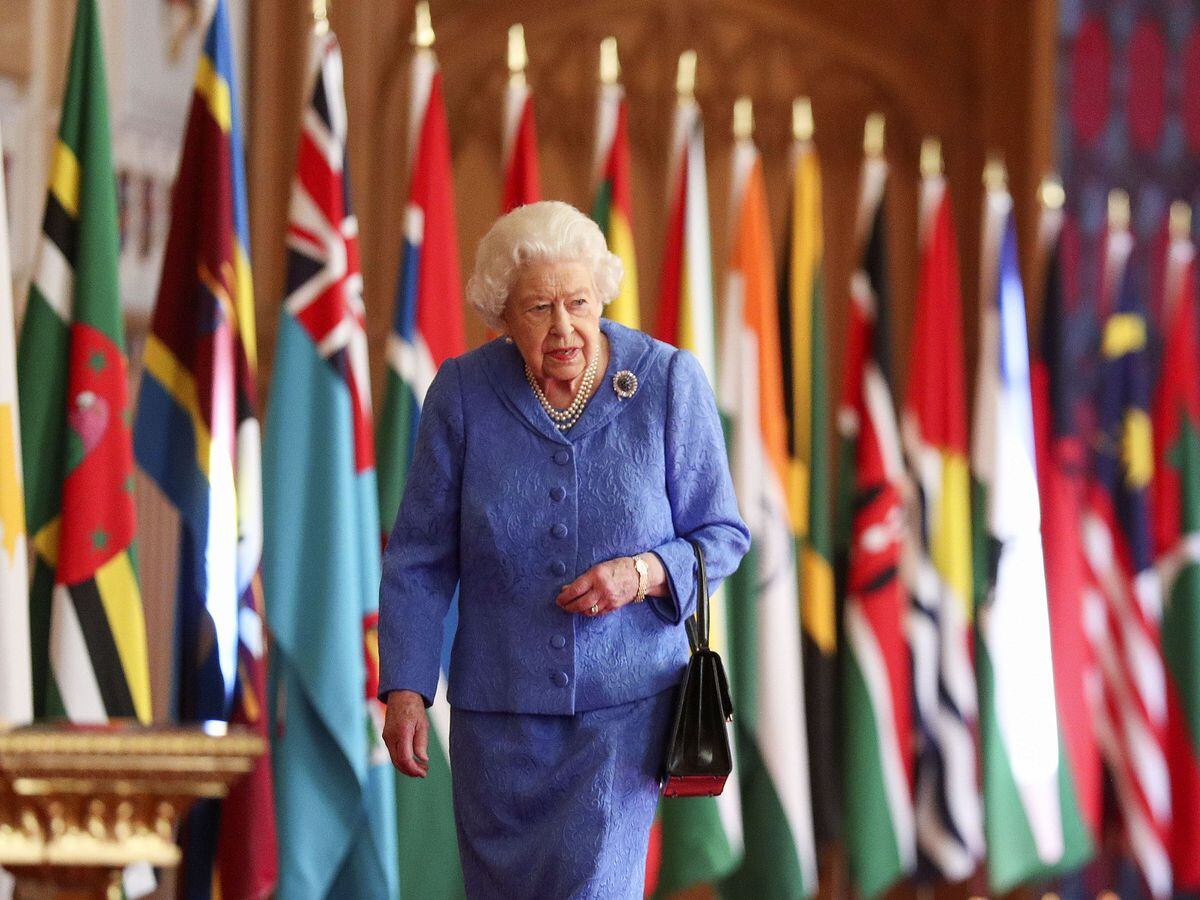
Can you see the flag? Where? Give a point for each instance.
(427, 330)
(701, 837)
(1062, 474)
(16, 686)
(763, 604)
(612, 206)
(198, 437)
(805, 386)
(877, 757)
(1031, 824)
(1123, 612)
(947, 802)
(334, 781)
(88, 632)
(521, 182)
(1176, 494)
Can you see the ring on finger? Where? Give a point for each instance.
(595, 610)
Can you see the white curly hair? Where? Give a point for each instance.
(548, 231)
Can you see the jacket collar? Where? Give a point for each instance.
(627, 351)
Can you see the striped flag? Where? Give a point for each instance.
(427, 330)
(877, 701)
(763, 604)
(612, 206)
(16, 686)
(1032, 826)
(521, 181)
(334, 782)
(198, 437)
(947, 802)
(701, 837)
(88, 631)
(1123, 612)
(1062, 474)
(1176, 492)
(805, 389)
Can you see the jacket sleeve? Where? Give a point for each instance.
(420, 562)
(700, 490)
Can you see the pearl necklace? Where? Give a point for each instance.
(564, 418)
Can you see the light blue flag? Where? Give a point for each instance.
(334, 783)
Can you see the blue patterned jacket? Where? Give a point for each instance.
(506, 508)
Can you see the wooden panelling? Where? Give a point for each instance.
(977, 75)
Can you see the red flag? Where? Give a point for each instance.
(1176, 493)
(521, 181)
(1062, 464)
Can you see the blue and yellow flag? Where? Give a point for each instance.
(197, 436)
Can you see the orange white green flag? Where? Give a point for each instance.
(764, 606)
(700, 838)
(612, 206)
(16, 685)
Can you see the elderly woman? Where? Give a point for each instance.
(559, 473)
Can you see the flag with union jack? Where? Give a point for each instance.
(197, 435)
(334, 783)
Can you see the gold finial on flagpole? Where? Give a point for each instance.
(802, 119)
(873, 134)
(518, 58)
(1051, 193)
(610, 64)
(422, 35)
(1181, 221)
(931, 158)
(320, 11)
(995, 173)
(743, 118)
(685, 76)
(1118, 210)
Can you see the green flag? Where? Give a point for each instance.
(88, 631)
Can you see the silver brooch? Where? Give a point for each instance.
(625, 384)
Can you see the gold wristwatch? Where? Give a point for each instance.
(643, 572)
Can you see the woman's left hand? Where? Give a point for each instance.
(606, 586)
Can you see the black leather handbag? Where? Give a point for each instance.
(699, 758)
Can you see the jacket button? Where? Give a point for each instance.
(559, 567)
(559, 679)
(557, 493)
(559, 530)
(562, 457)
(558, 642)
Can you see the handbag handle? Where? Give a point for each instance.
(698, 632)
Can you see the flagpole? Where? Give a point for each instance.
(518, 58)
(931, 158)
(802, 120)
(873, 133)
(685, 76)
(743, 118)
(610, 64)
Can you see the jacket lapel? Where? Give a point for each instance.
(628, 350)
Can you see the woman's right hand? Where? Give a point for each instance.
(406, 733)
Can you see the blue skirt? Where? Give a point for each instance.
(558, 806)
